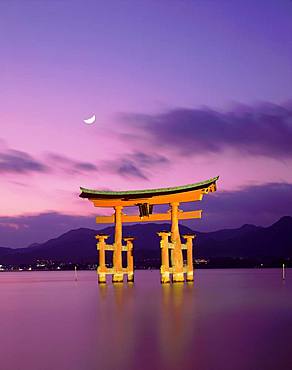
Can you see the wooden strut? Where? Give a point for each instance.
(101, 270)
(130, 258)
(190, 264)
(164, 269)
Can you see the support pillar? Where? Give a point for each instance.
(101, 270)
(130, 259)
(117, 257)
(164, 269)
(190, 264)
(178, 274)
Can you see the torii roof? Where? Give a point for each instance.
(135, 194)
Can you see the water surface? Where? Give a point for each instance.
(229, 319)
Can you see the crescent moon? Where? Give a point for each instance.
(90, 120)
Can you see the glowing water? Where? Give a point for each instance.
(229, 319)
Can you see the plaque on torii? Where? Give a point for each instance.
(170, 242)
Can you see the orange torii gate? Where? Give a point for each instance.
(145, 200)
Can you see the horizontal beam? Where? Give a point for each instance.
(170, 269)
(111, 247)
(111, 270)
(171, 246)
(153, 217)
(190, 196)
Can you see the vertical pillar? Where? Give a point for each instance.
(117, 257)
(101, 270)
(130, 258)
(190, 265)
(164, 269)
(178, 274)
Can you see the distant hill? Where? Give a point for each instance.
(249, 241)
(79, 246)
(5, 251)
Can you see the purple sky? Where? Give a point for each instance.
(182, 90)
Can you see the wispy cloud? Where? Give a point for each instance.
(68, 165)
(134, 165)
(15, 161)
(20, 162)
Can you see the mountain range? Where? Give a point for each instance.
(79, 245)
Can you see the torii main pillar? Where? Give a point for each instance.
(117, 257)
(177, 257)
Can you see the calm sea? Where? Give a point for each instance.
(229, 319)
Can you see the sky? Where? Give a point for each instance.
(182, 90)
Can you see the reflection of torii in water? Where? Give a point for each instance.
(145, 200)
(176, 325)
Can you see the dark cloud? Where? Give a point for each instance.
(264, 129)
(135, 165)
(69, 165)
(15, 161)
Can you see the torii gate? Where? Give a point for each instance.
(145, 200)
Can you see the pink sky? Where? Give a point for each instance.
(60, 65)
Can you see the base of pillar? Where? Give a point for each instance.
(118, 277)
(101, 278)
(178, 277)
(130, 277)
(190, 276)
(165, 277)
